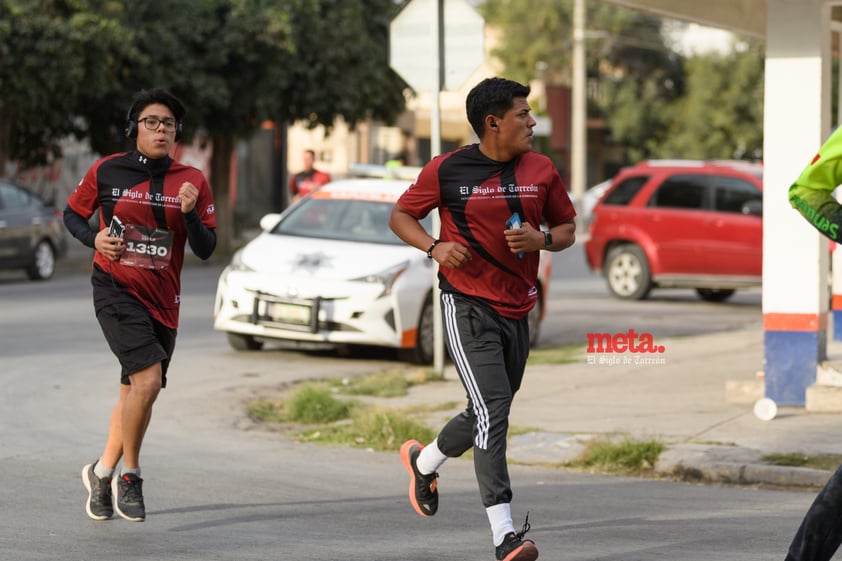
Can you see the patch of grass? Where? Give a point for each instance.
(827, 462)
(388, 383)
(517, 431)
(309, 403)
(266, 411)
(556, 355)
(626, 457)
(424, 376)
(314, 404)
(375, 428)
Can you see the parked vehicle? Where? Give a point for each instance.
(680, 224)
(330, 270)
(591, 198)
(32, 234)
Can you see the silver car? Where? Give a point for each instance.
(32, 234)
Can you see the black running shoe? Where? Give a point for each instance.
(515, 548)
(99, 505)
(422, 488)
(128, 493)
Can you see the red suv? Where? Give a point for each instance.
(680, 224)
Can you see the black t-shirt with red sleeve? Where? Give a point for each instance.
(476, 196)
(143, 194)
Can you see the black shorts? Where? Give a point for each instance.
(136, 339)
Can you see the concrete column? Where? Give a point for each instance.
(836, 301)
(795, 256)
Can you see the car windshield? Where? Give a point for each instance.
(352, 220)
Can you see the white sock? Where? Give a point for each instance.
(500, 518)
(430, 459)
(103, 472)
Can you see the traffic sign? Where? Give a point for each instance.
(412, 43)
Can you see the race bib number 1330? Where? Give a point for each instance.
(149, 248)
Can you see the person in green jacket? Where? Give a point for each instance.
(812, 192)
(820, 533)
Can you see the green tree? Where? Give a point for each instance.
(53, 55)
(721, 114)
(341, 65)
(627, 58)
(312, 60)
(246, 61)
(224, 58)
(536, 38)
(70, 66)
(639, 78)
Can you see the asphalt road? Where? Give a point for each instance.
(220, 488)
(579, 303)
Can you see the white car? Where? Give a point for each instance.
(593, 196)
(590, 198)
(329, 270)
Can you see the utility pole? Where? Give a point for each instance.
(435, 150)
(578, 121)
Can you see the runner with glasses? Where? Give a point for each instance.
(155, 205)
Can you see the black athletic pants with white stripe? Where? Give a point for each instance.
(489, 352)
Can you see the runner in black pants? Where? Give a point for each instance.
(488, 275)
(157, 205)
(820, 533)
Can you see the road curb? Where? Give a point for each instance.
(741, 466)
(730, 465)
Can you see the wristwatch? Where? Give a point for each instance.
(548, 240)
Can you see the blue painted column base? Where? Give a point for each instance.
(837, 325)
(792, 358)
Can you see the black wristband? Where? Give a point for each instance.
(548, 240)
(430, 251)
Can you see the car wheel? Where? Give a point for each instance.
(423, 351)
(534, 320)
(43, 262)
(240, 342)
(627, 272)
(714, 294)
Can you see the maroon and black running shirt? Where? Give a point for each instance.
(476, 196)
(144, 192)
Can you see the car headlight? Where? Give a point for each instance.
(386, 277)
(237, 263)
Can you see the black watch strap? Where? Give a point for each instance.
(548, 240)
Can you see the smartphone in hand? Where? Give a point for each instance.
(512, 223)
(117, 228)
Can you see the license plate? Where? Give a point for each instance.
(289, 313)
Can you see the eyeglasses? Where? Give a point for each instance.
(152, 123)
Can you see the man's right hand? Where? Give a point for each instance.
(111, 248)
(451, 254)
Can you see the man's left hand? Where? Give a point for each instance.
(524, 239)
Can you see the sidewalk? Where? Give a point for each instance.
(681, 402)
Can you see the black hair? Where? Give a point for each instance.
(492, 96)
(144, 98)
